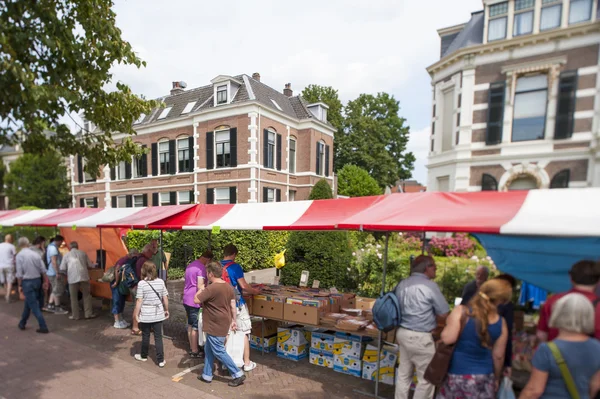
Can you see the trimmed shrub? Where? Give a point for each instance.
(321, 190)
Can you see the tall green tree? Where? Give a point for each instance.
(55, 58)
(329, 96)
(374, 138)
(38, 180)
(354, 181)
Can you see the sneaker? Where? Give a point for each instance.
(125, 324)
(22, 328)
(140, 358)
(93, 316)
(201, 378)
(162, 364)
(250, 367)
(73, 318)
(236, 382)
(50, 308)
(42, 331)
(59, 310)
(120, 325)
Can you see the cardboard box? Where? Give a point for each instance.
(388, 355)
(292, 352)
(387, 374)
(301, 314)
(320, 358)
(270, 328)
(350, 345)
(291, 336)
(322, 341)
(364, 303)
(269, 343)
(347, 365)
(267, 309)
(348, 303)
(249, 302)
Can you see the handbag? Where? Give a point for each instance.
(201, 335)
(109, 275)
(506, 390)
(440, 363)
(564, 371)
(235, 347)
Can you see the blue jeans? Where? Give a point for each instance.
(32, 289)
(118, 301)
(215, 348)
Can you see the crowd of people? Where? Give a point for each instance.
(565, 365)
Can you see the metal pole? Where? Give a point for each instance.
(209, 245)
(101, 251)
(160, 253)
(423, 247)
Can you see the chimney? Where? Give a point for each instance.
(178, 87)
(288, 90)
(256, 76)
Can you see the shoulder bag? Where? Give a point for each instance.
(564, 370)
(437, 371)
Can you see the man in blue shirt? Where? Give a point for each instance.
(234, 274)
(54, 258)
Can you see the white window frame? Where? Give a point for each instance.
(124, 198)
(135, 172)
(591, 9)
(292, 195)
(523, 11)
(89, 202)
(159, 158)
(223, 142)
(221, 195)
(189, 152)
(547, 6)
(219, 90)
(522, 92)
(497, 17)
(322, 159)
(120, 170)
(292, 155)
(271, 161)
(271, 195)
(180, 202)
(137, 197)
(160, 199)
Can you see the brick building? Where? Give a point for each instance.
(516, 98)
(233, 141)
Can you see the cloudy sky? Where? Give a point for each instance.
(354, 46)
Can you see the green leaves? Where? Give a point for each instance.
(321, 190)
(354, 181)
(56, 58)
(329, 96)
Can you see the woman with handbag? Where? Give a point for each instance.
(479, 337)
(151, 309)
(568, 366)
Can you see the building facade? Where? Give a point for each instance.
(516, 98)
(236, 140)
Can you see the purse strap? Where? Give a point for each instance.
(159, 297)
(564, 370)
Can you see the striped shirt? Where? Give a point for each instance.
(152, 309)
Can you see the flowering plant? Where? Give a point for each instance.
(459, 245)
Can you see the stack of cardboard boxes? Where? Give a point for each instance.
(321, 348)
(347, 353)
(387, 366)
(270, 336)
(292, 343)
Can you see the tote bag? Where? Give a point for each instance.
(235, 347)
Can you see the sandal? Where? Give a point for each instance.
(136, 332)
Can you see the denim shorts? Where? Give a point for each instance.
(118, 301)
(192, 316)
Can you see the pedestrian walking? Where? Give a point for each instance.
(151, 309)
(75, 265)
(7, 264)
(420, 302)
(31, 275)
(480, 335)
(54, 258)
(118, 299)
(145, 256)
(195, 278)
(219, 315)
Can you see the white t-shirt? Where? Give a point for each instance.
(7, 255)
(152, 309)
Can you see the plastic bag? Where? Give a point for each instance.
(506, 389)
(280, 259)
(235, 347)
(201, 337)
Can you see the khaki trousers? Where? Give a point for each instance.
(84, 286)
(416, 351)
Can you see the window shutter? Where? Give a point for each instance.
(173, 197)
(144, 161)
(192, 153)
(278, 195)
(327, 160)
(495, 113)
(265, 148)
(113, 201)
(210, 151)
(278, 145)
(81, 203)
(210, 196)
(318, 169)
(129, 201)
(192, 200)
(233, 146)
(128, 170)
(565, 105)
(113, 174)
(488, 183)
(95, 202)
(145, 199)
(79, 169)
(265, 194)
(561, 179)
(155, 199)
(172, 157)
(233, 195)
(154, 159)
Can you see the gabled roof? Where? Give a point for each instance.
(470, 35)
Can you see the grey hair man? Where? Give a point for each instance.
(421, 302)
(75, 266)
(482, 273)
(7, 264)
(31, 275)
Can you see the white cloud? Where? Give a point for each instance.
(419, 143)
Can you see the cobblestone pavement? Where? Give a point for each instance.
(92, 358)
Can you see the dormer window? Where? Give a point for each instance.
(498, 14)
(319, 111)
(523, 23)
(222, 95)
